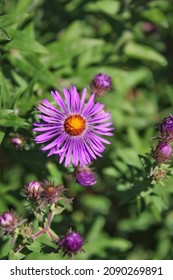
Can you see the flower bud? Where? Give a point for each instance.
(100, 84)
(33, 190)
(84, 176)
(8, 222)
(51, 193)
(166, 129)
(17, 142)
(71, 243)
(162, 152)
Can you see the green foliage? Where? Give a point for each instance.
(51, 44)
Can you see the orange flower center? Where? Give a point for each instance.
(74, 125)
(51, 190)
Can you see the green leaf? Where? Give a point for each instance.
(10, 19)
(15, 256)
(2, 134)
(21, 41)
(108, 7)
(4, 34)
(35, 246)
(99, 204)
(145, 53)
(156, 16)
(43, 256)
(9, 118)
(55, 174)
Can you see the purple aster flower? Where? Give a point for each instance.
(100, 84)
(71, 243)
(162, 152)
(74, 131)
(85, 177)
(166, 128)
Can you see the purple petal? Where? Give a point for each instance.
(57, 97)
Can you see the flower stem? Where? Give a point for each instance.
(38, 233)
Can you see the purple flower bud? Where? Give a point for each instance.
(71, 243)
(85, 177)
(148, 27)
(33, 190)
(8, 222)
(166, 129)
(162, 152)
(17, 142)
(100, 84)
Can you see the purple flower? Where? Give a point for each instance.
(8, 222)
(101, 83)
(85, 177)
(162, 152)
(74, 131)
(71, 243)
(166, 129)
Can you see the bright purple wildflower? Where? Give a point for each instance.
(101, 83)
(166, 128)
(71, 243)
(74, 131)
(85, 177)
(162, 152)
(8, 222)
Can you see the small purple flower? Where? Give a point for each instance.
(8, 222)
(85, 177)
(100, 84)
(74, 131)
(71, 243)
(166, 128)
(162, 152)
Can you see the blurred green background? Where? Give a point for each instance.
(51, 44)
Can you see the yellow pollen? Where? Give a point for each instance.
(74, 125)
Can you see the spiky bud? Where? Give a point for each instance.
(51, 193)
(71, 243)
(17, 142)
(8, 222)
(162, 153)
(100, 84)
(85, 177)
(33, 190)
(166, 129)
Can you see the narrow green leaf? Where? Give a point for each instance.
(9, 19)
(21, 41)
(9, 118)
(145, 53)
(156, 16)
(2, 134)
(4, 34)
(108, 7)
